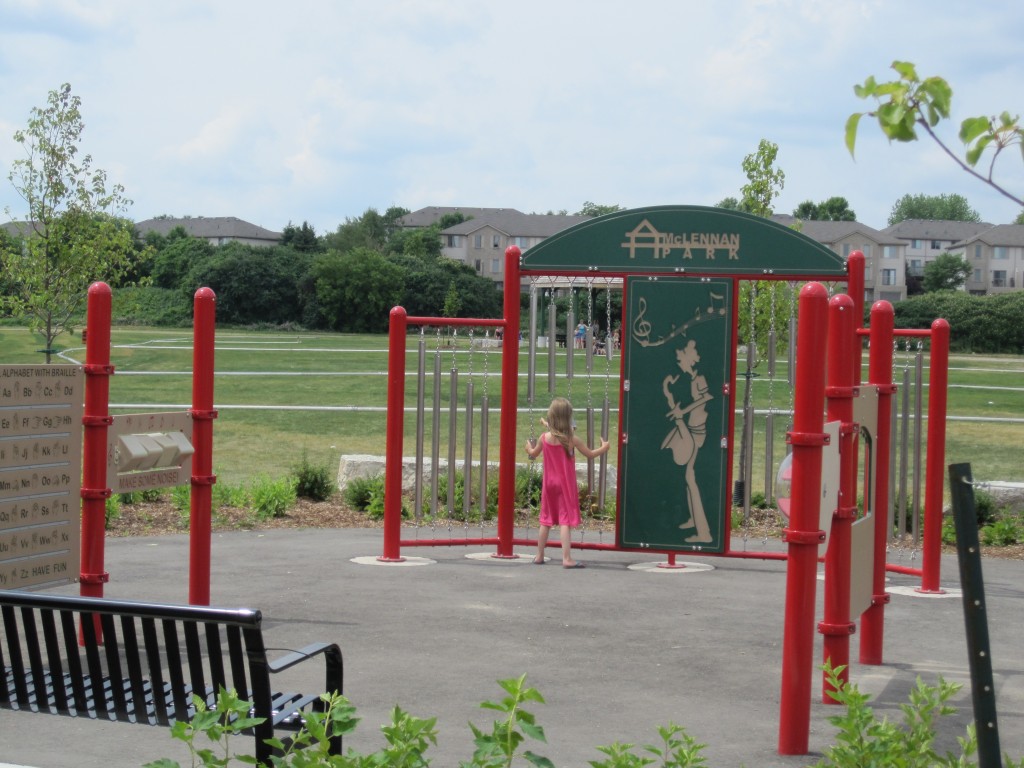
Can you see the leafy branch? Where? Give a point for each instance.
(910, 103)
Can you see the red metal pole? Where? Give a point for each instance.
(394, 438)
(872, 621)
(803, 535)
(844, 348)
(95, 420)
(204, 311)
(938, 376)
(509, 406)
(855, 265)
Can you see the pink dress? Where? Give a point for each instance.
(559, 494)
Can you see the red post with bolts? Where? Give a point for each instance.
(95, 420)
(394, 438)
(509, 415)
(203, 414)
(938, 380)
(872, 621)
(803, 534)
(836, 626)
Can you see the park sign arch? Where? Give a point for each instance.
(680, 239)
(681, 269)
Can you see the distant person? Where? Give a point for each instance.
(580, 335)
(559, 493)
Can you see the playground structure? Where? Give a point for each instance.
(99, 452)
(680, 269)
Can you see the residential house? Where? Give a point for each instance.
(481, 240)
(884, 255)
(996, 256)
(926, 239)
(217, 230)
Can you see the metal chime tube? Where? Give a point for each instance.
(588, 340)
(771, 352)
(769, 460)
(570, 342)
(918, 386)
(590, 443)
(421, 378)
(792, 350)
(484, 417)
(552, 335)
(531, 357)
(453, 426)
(467, 467)
(435, 435)
(603, 472)
(904, 451)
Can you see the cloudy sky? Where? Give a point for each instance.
(313, 110)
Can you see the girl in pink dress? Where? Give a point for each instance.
(559, 493)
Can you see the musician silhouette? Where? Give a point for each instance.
(686, 400)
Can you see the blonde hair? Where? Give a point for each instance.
(560, 422)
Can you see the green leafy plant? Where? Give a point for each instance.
(677, 750)
(360, 491)
(501, 745)
(313, 481)
(111, 510)
(1004, 532)
(227, 495)
(228, 718)
(271, 498)
(864, 739)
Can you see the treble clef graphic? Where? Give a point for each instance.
(642, 328)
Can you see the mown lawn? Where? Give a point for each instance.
(317, 380)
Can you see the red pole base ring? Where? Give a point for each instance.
(94, 578)
(383, 559)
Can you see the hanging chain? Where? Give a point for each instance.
(593, 341)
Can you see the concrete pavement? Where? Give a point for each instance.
(615, 649)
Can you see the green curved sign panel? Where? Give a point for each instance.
(684, 239)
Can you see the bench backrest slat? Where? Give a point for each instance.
(15, 662)
(70, 632)
(35, 660)
(194, 653)
(112, 648)
(236, 654)
(215, 657)
(130, 648)
(54, 662)
(156, 673)
(180, 700)
(95, 699)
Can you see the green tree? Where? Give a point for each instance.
(764, 181)
(948, 272)
(833, 209)
(1020, 218)
(355, 291)
(729, 203)
(74, 233)
(593, 209)
(179, 255)
(303, 239)
(254, 284)
(944, 207)
(910, 103)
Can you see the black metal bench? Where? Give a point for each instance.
(142, 662)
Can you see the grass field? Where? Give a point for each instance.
(280, 395)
